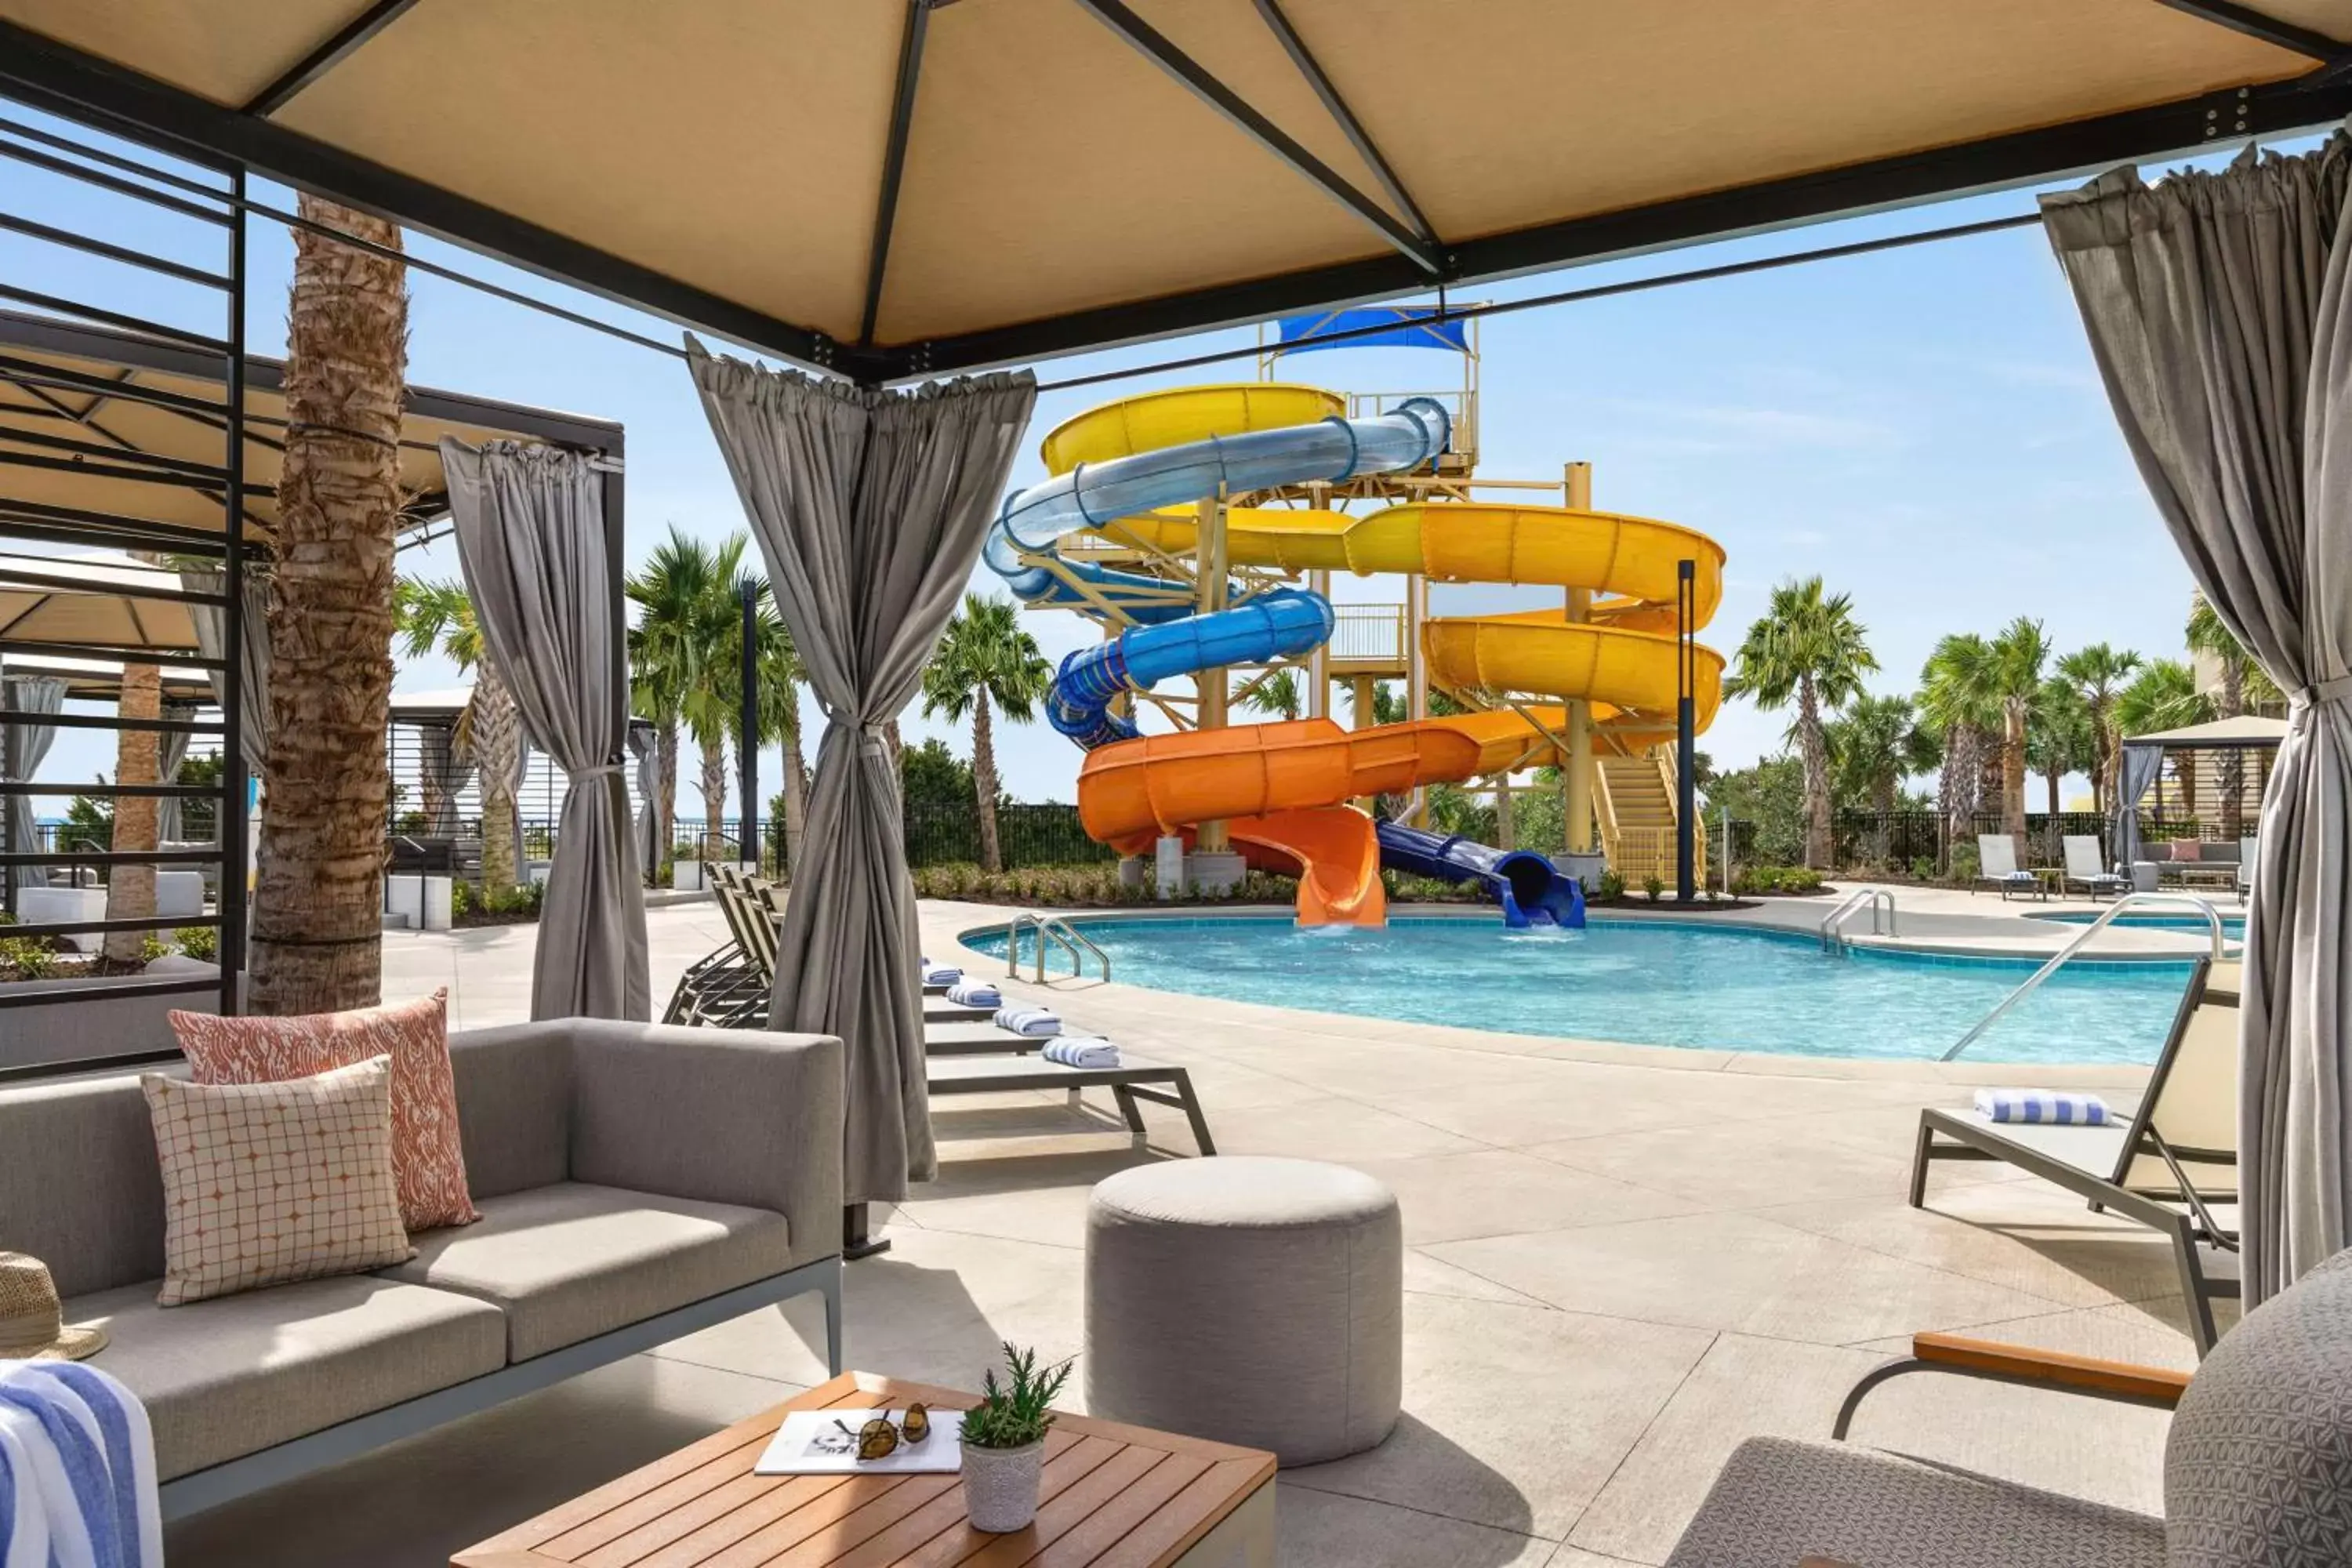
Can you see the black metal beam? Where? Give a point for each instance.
(2269, 29)
(2022, 158)
(42, 648)
(894, 161)
(1196, 79)
(347, 41)
(55, 78)
(1336, 108)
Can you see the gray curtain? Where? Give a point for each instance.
(644, 750)
(2220, 309)
(26, 745)
(442, 775)
(870, 507)
(529, 523)
(2137, 775)
(212, 642)
(171, 751)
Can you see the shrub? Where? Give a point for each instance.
(1612, 887)
(1923, 868)
(153, 947)
(31, 957)
(1964, 863)
(1654, 889)
(199, 943)
(1777, 880)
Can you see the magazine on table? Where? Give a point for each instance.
(824, 1443)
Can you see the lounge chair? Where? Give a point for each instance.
(1131, 1080)
(1997, 863)
(2254, 1468)
(2173, 1168)
(2084, 870)
(2245, 868)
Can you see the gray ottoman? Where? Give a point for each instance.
(1248, 1301)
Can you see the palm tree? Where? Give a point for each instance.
(2018, 654)
(779, 677)
(2096, 674)
(130, 890)
(433, 616)
(1807, 650)
(1278, 694)
(2164, 696)
(2058, 740)
(1875, 746)
(317, 892)
(1388, 707)
(983, 659)
(1957, 704)
(683, 656)
(2244, 685)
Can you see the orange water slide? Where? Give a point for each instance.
(1282, 789)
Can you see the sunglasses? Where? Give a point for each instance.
(880, 1437)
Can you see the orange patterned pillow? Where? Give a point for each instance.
(265, 1183)
(427, 1156)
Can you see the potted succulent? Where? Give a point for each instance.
(1004, 1442)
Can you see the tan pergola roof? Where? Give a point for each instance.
(101, 680)
(103, 598)
(889, 189)
(2247, 731)
(72, 395)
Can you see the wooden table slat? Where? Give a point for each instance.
(1110, 1493)
(1063, 1471)
(1174, 1528)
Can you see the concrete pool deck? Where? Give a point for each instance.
(1656, 1252)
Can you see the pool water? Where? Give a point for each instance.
(1651, 982)
(2233, 926)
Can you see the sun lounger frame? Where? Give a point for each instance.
(1133, 1080)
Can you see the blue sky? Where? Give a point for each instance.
(1922, 426)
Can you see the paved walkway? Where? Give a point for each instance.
(1655, 1253)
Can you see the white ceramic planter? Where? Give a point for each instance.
(1000, 1486)
(686, 876)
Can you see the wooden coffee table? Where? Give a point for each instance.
(1113, 1495)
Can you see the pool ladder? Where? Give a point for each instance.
(1067, 937)
(2033, 982)
(1833, 939)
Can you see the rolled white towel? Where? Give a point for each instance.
(940, 973)
(1082, 1051)
(975, 994)
(1038, 1022)
(2042, 1107)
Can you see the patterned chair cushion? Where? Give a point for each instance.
(1778, 1502)
(427, 1159)
(265, 1183)
(2258, 1469)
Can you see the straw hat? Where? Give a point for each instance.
(32, 1323)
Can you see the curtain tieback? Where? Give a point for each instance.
(576, 775)
(2336, 690)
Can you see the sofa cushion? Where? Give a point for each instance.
(223, 1378)
(571, 1262)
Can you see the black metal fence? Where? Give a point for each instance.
(1905, 840)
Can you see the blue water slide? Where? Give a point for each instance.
(1534, 892)
(1283, 623)
(1092, 494)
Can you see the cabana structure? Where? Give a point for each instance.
(121, 446)
(2142, 766)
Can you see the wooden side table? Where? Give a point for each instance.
(1113, 1497)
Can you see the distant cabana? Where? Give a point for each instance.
(2143, 761)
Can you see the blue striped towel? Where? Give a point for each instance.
(77, 1469)
(1082, 1051)
(1037, 1022)
(939, 974)
(975, 994)
(2042, 1106)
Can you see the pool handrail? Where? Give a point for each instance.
(1069, 938)
(2106, 918)
(1832, 941)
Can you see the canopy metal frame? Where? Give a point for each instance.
(72, 82)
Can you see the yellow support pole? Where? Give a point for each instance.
(1578, 484)
(1213, 684)
(1416, 677)
(1318, 663)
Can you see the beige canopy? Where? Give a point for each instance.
(893, 188)
(97, 597)
(2247, 731)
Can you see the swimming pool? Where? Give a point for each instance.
(1650, 983)
(2233, 926)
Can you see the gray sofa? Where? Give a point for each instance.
(637, 1182)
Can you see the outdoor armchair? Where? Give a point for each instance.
(2085, 870)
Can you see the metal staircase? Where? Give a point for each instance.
(1633, 802)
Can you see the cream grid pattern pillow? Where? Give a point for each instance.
(267, 1183)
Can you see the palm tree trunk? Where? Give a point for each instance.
(1956, 790)
(714, 799)
(494, 730)
(2230, 773)
(665, 761)
(318, 892)
(795, 797)
(1815, 746)
(983, 783)
(2012, 775)
(130, 890)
